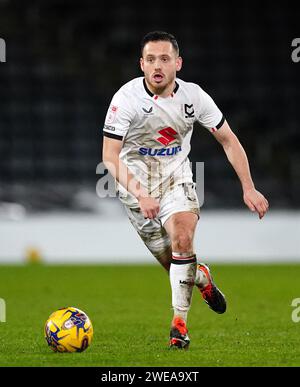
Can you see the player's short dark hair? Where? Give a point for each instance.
(156, 36)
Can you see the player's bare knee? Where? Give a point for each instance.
(182, 242)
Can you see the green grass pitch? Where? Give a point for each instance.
(130, 308)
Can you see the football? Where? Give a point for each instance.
(68, 330)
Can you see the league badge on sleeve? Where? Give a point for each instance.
(111, 115)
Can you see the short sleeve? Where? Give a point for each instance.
(210, 115)
(118, 118)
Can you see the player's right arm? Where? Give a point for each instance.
(119, 118)
(110, 154)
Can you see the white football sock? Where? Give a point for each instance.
(182, 277)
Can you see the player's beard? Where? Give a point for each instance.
(159, 88)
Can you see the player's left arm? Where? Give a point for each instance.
(238, 159)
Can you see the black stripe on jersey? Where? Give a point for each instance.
(146, 88)
(150, 92)
(112, 135)
(176, 87)
(220, 123)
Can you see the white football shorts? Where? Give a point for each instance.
(181, 197)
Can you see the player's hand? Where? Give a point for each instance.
(256, 202)
(149, 206)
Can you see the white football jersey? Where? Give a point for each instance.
(156, 132)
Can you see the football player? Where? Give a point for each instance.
(147, 139)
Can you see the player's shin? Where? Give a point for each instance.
(182, 277)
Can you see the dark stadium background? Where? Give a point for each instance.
(65, 59)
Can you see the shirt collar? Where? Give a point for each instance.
(156, 96)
